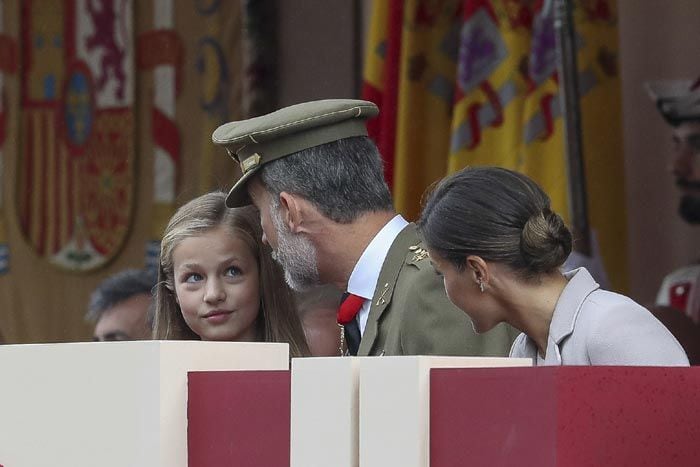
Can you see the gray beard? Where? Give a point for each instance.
(296, 254)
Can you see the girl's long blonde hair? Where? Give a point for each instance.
(277, 321)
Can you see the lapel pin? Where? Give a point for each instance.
(381, 300)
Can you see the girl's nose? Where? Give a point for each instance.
(214, 292)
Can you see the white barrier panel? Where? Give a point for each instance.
(324, 407)
(395, 406)
(109, 404)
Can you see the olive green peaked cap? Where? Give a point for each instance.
(255, 142)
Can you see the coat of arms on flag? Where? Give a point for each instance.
(76, 160)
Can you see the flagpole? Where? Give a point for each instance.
(569, 100)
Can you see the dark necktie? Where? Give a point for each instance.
(349, 307)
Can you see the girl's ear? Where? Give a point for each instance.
(171, 289)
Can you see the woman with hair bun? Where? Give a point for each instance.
(492, 235)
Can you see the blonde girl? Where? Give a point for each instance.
(218, 281)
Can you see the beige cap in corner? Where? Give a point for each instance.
(678, 101)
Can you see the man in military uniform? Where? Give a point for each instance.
(679, 104)
(326, 211)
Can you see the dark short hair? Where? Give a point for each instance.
(118, 288)
(343, 179)
(499, 215)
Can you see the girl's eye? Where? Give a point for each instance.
(233, 271)
(193, 277)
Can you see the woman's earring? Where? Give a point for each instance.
(481, 285)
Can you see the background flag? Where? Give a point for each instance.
(476, 84)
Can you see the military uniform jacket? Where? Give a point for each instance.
(410, 313)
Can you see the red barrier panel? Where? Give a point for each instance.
(565, 416)
(238, 418)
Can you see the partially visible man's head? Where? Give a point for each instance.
(120, 305)
(679, 104)
(686, 169)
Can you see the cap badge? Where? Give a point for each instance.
(250, 162)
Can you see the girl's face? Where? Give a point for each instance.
(217, 286)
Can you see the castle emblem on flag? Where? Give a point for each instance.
(482, 50)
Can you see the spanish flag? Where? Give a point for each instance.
(474, 82)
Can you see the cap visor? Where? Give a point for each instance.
(238, 196)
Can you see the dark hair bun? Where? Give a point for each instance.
(545, 241)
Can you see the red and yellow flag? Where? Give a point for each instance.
(474, 82)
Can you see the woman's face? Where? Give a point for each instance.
(462, 289)
(217, 286)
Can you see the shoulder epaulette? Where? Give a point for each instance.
(419, 253)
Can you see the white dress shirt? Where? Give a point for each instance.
(363, 280)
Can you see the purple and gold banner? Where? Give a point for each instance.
(474, 82)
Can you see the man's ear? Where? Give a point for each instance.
(291, 211)
(478, 269)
